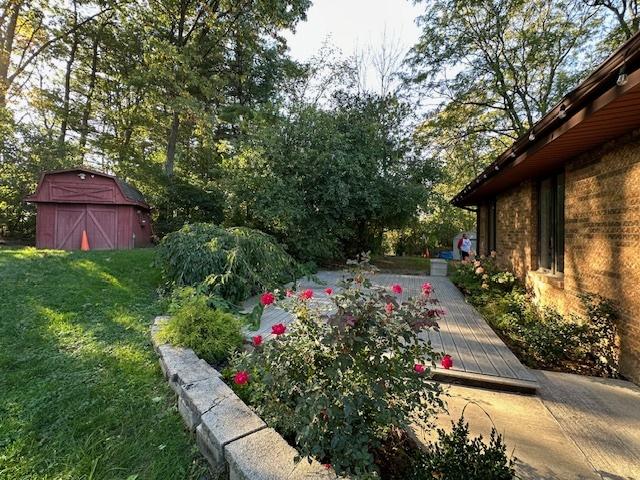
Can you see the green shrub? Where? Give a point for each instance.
(340, 382)
(540, 336)
(601, 334)
(213, 334)
(233, 263)
(455, 456)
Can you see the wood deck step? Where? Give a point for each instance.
(490, 382)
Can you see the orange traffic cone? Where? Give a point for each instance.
(84, 245)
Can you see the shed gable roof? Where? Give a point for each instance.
(130, 193)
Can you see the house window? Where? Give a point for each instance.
(491, 227)
(551, 224)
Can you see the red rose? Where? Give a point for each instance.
(426, 288)
(257, 340)
(446, 362)
(388, 307)
(327, 466)
(307, 294)
(397, 288)
(241, 378)
(328, 290)
(267, 298)
(419, 368)
(278, 329)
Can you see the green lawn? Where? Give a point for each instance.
(81, 393)
(410, 264)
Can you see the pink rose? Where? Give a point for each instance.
(307, 294)
(289, 292)
(388, 307)
(278, 329)
(257, 340)
(241, 378)
(267, 298)
(419, 368)
(328, 290)
(447, 362)
(426, 288)
(397, 288)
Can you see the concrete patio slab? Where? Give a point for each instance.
(532, 435)
(601, 416)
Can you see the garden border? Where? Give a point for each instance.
(235, 441)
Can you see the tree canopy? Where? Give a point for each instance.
(199, 105)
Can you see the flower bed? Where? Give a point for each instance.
(338, 390)
(344, 386)
(540, 336)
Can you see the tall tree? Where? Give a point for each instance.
(492, 67)
(625, 14)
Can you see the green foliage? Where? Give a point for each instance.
(539, 335)
(507, 62)
(232, 263)
(181, 201)
(341, 381)
(212, 333)
(482, 278)
(328, 181)
(455, 456)
(602, 334)
(77, 367)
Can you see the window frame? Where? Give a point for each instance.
(491, 227)
(554, 221)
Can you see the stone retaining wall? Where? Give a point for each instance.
(234, 440)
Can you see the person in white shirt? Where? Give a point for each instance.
(465, 247)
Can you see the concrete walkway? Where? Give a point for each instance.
(578, 427)
(601, 416)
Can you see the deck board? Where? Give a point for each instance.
(476, 350)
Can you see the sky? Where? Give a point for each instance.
(354, 25)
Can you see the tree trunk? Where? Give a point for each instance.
(6, 47)
(171, 145)
(175, 121)
(67, 91)
(86, 112)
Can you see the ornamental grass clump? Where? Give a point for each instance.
(212, 333)
(340, 382)
(232, 263)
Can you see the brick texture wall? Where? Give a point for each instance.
(602, 238)
(516, 222)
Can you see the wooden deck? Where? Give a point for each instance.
(479, 356)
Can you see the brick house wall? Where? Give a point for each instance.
(602, 238)
(516, 223)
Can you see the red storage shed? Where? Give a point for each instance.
(112, 213)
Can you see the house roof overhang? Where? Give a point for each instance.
(597, 111)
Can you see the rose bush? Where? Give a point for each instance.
(339, 383)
